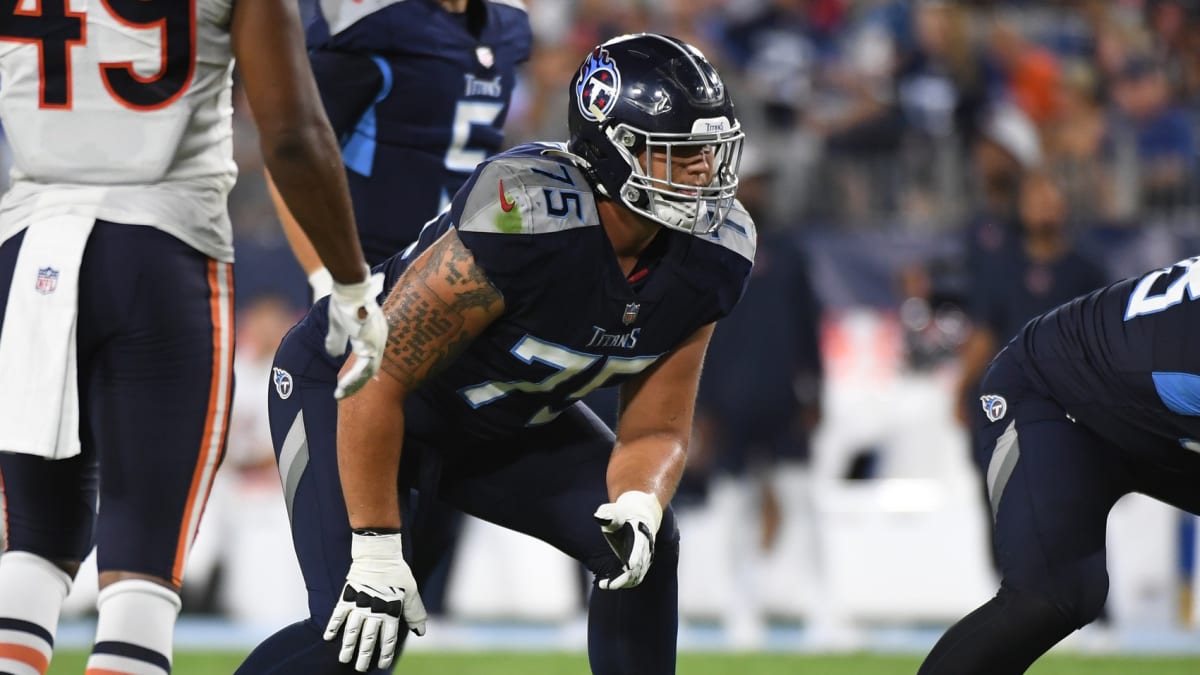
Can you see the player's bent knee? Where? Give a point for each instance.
(666, 552)
(1084, 599)
(666, 545)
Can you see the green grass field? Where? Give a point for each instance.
(214, 663)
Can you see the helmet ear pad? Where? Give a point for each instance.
(600, 149)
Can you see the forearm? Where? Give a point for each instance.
(651, 463)
(301, 247)
(369, 437)
(306, 169)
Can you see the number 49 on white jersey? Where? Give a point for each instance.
(120, 93)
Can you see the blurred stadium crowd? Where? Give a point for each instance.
(923, 173)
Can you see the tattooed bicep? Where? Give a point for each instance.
(440, 304)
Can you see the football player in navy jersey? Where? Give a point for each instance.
(558, 269)
(1089, 402)
(417, 92)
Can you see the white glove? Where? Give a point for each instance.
(379, 590)
(354, 315)
(321, 283)
(630, 525)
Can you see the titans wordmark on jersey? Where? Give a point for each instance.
(573, 323)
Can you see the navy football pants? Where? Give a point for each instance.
(546, 483)
(1051, 483)
(155, 361)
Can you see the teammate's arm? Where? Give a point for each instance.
(653, 431)
(977, 351)
(302, 156)
(298, 145)
(441, 302)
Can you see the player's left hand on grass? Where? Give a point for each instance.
(380, 591)
(354, 315)
(630, 525)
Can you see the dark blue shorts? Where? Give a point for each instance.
(545, 482)
(155, 360)
(1052, 481)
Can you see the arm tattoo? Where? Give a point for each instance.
(427, 311)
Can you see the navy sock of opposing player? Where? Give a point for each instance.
(1003, 637)
(135, 630)
(298, 648)
(634, 631)
(33, 590)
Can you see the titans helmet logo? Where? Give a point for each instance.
(599, 85)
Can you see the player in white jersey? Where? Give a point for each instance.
(116, 331)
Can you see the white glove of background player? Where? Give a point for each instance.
(379, 590)
(354, 315)
(630, 525)
(321, 283)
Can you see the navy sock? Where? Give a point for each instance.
(1004, 636)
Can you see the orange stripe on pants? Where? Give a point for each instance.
(221, 360)
(27, 655)
(104, 671)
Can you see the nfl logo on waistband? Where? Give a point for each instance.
(485, 56)
(630, 314)
(47, 280)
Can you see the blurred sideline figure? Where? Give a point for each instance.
(558, 269)
(417, 93)
(116, 339)
(1089, 402)
(758, 403)
(1040, 270)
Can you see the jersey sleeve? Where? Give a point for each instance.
(518, 31)
(495, 216)
(349, 84)
(737, 244)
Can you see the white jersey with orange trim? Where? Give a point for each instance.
(133, 97)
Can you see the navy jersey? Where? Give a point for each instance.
(418, 97)
(572, 321)
(1121, 359)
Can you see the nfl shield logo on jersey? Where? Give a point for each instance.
(47, 280)
(631, 312)
(486, 58)
(283, 382)
(993, 406)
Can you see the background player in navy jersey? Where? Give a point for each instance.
(116, 256)
(1092, 401)
(558, 269)
(417, 92)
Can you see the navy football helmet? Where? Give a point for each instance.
(642, 96)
